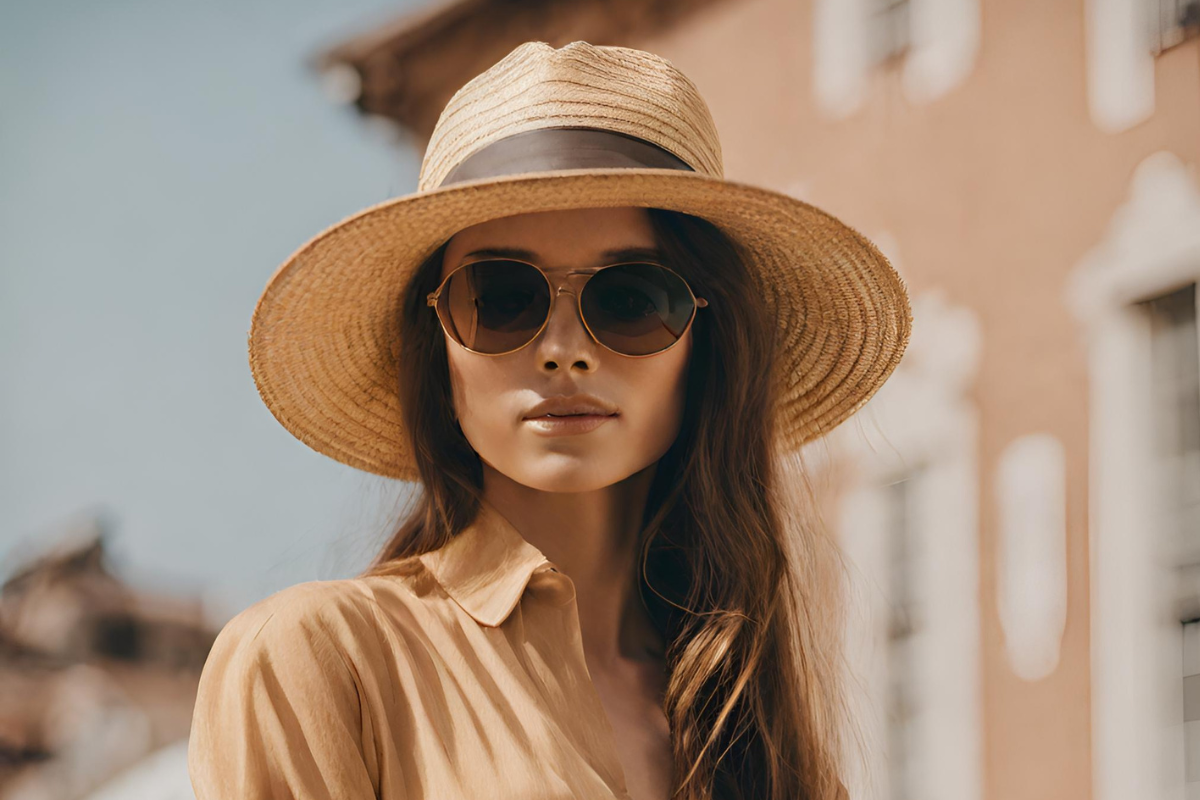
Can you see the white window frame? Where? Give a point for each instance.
(1179, 34)
(922, 417)
(1031, 552)
(1152, 246)
(1121, 50)
(943, 47)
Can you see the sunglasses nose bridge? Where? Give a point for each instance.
(562, 287)
(568, 280)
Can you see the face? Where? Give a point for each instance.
(495, 395)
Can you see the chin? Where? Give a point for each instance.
(558, 472)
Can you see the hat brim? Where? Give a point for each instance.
(323, 334)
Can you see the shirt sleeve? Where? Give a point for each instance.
(278, 711)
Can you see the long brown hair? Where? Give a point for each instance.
(731, 574)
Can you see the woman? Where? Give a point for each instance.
(594, 354)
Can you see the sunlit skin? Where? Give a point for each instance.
(579, 498)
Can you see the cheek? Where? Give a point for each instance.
(486, 394)
(657, 394)
(474, 382)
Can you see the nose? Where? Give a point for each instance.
(565, 342)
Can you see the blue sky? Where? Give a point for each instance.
(158, 160)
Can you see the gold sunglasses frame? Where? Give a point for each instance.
(698, 303)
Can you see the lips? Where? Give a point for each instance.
(578, 405)
(569, 425)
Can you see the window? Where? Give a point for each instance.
(1191, 708)
(1171, 22)
(1175, 447)
(889, 31)
(902, 661)
(908, 527)
(923, 48)
(1175, 398)
(1134, 294)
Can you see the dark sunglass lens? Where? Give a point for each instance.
(637, 309)
(495, 306)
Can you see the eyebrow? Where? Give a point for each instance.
(608, 256)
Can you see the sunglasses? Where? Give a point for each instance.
(496, 306)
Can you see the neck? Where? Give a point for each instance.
(591, 537)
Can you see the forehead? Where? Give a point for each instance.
(574, 238)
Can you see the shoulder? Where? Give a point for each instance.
(330, 605)
(280, 705)
(324, 601)
(315, 619)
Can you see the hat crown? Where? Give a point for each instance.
(610, 88)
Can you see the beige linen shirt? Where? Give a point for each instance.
(458, 674)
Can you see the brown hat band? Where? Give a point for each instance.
(562, 148)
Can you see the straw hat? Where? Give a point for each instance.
(549, 128)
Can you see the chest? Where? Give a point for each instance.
(513, 712)
(641, 732)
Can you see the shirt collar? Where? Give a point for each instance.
(486, 567)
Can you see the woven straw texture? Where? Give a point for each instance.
(614, 88)
(323, 336)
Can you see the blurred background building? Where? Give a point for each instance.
(1021, 502)
(95, 675)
